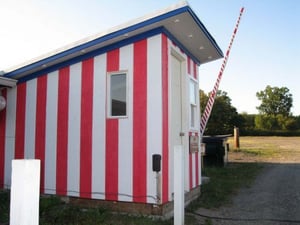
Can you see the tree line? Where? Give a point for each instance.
(274, 117)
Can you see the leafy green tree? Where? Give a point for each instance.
(266, 122)
(248, 121)
(275, 109)
(275, 101)
(223, 117)
(287, 123)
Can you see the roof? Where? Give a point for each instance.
(178, 22)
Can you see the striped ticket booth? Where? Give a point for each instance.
(103, 115)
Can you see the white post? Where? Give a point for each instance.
(178, 185)
(25, 192)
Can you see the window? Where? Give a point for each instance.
(193, 103)
(117, 94)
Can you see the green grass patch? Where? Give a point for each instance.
(224, 183)
(264, 152)
(53, 211)
(259, 146)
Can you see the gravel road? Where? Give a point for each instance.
(274, 198)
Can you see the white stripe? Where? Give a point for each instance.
(74, 130)
(51, 133)
(125, 173)
(154, 114)
(10, 134)
(30, 116)
(98, 146)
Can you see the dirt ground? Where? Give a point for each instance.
(274, 197)
(278, 149)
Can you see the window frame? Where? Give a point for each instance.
(193, 104)
(109, 100)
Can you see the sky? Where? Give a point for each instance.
(266, 50)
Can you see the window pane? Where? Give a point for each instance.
(193, 115)
(193, 103)
(192, 92)
(118, 94)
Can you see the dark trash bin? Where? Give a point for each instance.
(215, 150)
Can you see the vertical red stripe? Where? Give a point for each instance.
(165, 118)
(191, 170)
(113, 60)
(140, 122)
(111, 172)
(20, 121)
(86, 121)
(112, 140)
(2, 141)
(62, 131)
(195, 70)
(40, 126)
(197, 168)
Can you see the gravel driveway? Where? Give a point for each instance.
(273, 199)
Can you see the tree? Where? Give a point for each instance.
(223, 117)
(275, 101)
(266, 122)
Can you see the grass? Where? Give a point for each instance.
(53, 211)
(224, 183)
(267, 149)
(263, 152)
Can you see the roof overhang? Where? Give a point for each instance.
(7, 82)
(179, 22)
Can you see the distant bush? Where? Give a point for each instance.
(260, 132)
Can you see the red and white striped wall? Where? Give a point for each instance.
(60, 118)
(195, 157)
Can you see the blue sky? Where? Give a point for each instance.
(266, 50)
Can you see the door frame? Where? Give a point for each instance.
(184, 115)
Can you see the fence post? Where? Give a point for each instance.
(178, 185)
(236, 137)
(25, 192)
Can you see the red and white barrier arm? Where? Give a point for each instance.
(211, 100)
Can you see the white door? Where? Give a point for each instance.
(176, 104)
(176, 113)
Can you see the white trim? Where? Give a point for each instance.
(194, 105)
(10, 134)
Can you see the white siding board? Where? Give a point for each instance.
(125, 173)
(73, 177)
(51, 133)
(98, 140)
